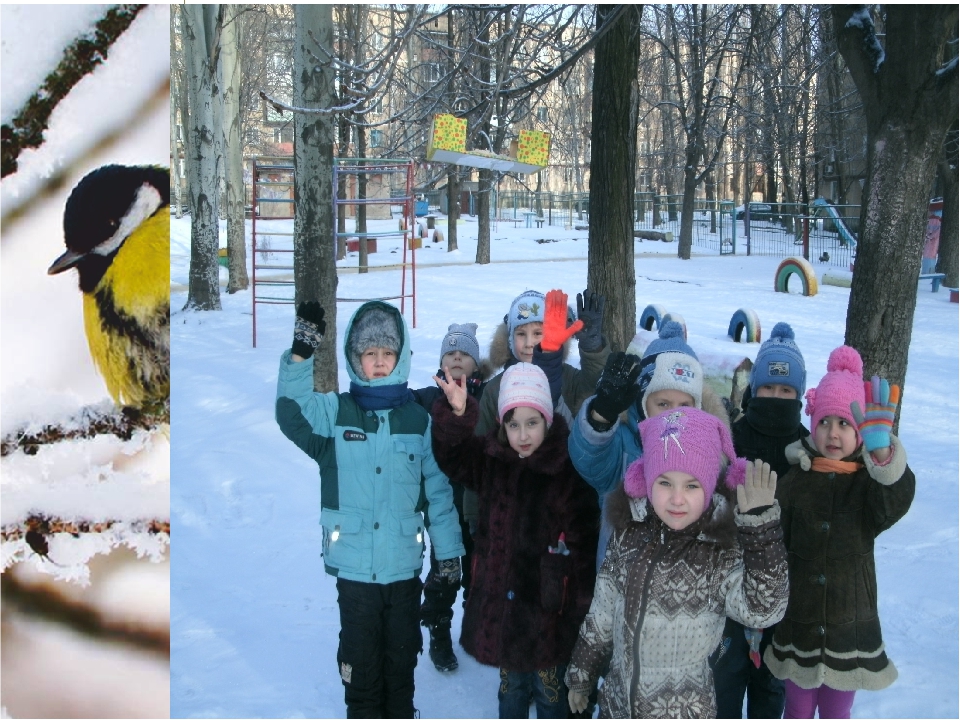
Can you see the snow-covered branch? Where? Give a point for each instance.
(79, 60)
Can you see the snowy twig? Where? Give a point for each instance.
(36, 528)
(49, 604)
(90, 422)
(79, 59)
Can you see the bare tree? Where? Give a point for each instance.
(610, 266)
(315, 271)
(908, 85)
(233, 151)
(947, 172)
(201, 37)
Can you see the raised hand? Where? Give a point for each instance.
(454, 390)
(308, 329)
(759, 487)
(617, 387)
(875, 425)
(590, 310)
(555, 330)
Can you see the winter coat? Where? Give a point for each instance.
(525, 603)
(374, 468)
(575, 386)
(766, 428)
(830, 634)
(602, 457)
(662, 598)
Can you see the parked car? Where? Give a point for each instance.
(758, 211)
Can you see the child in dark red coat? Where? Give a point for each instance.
(535, 545)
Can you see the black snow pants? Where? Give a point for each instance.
(735, 674)
(379, 643)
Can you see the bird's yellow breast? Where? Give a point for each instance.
(127, 316)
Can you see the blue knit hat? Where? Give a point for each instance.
(669, 363)
(779, 362)
(527, 307)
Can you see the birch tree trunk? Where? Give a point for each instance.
(314, 265)
(233, 151)
(205, 145)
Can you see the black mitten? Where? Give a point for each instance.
(617, 387)
(308, 329)
(590, 311)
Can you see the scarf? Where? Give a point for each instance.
(381, 397)
(825, 465)
(774, 417)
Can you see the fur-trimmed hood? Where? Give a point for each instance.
(715, 525)
(500, 355)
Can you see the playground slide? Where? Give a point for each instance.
(846, 237)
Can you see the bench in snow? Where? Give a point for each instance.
(935, 280)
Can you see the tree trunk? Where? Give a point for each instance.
(453, 208)
(909, 108)
(613, 160)
(343, 128)
(484, 192)
(205, 145)
(685, 243)
(948, 224)
(233, 151)
(175, 176)
(315, 271)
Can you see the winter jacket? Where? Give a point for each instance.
(576, 385)
(376, 469)
(766, 428)
(661, 600)
(602, 457)
(525, 603)
(830, 634)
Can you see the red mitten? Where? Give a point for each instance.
(555, 330)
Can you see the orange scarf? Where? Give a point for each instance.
(825, 465)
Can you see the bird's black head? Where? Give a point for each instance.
(93, 221)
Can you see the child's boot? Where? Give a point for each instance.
(441, 645)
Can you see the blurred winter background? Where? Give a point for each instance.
(85, 632)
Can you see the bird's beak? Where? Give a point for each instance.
(64, 262)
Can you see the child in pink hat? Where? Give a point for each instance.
(696, 537)
(851, 484)
(536, 537)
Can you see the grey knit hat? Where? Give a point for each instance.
(462, 338)
(374, 328)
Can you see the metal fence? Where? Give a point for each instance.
(777, 229)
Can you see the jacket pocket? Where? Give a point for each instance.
(411, 546)
(554, 578)
(342, 542)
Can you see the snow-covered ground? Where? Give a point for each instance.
(254, 617)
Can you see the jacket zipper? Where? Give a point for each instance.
(635, 680)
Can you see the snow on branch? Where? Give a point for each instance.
(862, 20)
(79, 60)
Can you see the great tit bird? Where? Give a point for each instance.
(116, 227)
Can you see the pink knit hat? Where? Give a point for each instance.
(688, 440)
(525, 385)
(842, 385)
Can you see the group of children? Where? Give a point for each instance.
(725, 562)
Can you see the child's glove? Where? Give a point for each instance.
(875, 425)
(578, 702)
(758, 489)
(617, 387)
(754, 636)
(590, 311)
(449, 570)
(555, 330)
(308, 329)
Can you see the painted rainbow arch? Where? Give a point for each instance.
(677, 317)
(744, 326)
(652, 315)
(800, 267)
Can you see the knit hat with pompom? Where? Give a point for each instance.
(688, 440)
(669, 363)
(779, 362)
(842, 385)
